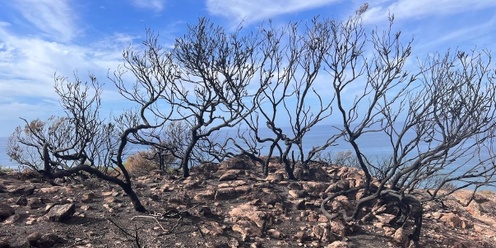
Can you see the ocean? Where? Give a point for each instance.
(4, 159)
(317, 136)
(375, 145)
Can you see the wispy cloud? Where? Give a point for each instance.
(28, 65)
(250, 11)
(155, 5)
(407, 9)
(56, 19)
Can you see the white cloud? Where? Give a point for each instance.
(56, 19)
(407, 9)
(28, 64)
(156, 5)
(250, 11)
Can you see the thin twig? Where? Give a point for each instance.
(151, 217)
(177, 224)
(135, 237)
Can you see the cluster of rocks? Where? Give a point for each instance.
(225, 205)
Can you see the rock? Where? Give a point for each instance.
(299, 204)
(314, 187)
(234, 183)
(229, 175)
(202, 196)
(337, 244)
(297, 193)
(301, 236)
(314, 173)
(24, 190)
(339, 228)
(61, 212)
(88, 197)
(384, 218)
(341, 202)
(338, 186)
(275, 233)
(4, 242)
(191, 183)
(247, 229)
(22, 201)
(322, 232)
(6, 211)
(212, 228)
(180, 198)
(85, 207)
(206, 211)
(231, 193)
(275, 177)
(12, 219)
(49, 190)
(239, 163)
(48, 240)
(111, 199)
(35, 203)
(30, 220)
(248, 212)
(401, 237)
(452, 220)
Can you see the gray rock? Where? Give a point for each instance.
(22, 201)
(24, 190)
(229, 175)
(61, 212)
(231, 193)
(48, 240)
(6, 211)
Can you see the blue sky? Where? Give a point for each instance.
(41, 37)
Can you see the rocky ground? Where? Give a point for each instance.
(225, 205)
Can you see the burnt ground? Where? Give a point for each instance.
(226, 205)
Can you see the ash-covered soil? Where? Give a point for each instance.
(225, 205)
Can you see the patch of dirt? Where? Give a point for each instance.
(226, 205)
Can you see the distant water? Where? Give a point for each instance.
(4, 159)
(374, 145)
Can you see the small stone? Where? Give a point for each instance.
(275, 233)
(35, 203)
(401, 237)
(30, 220)
(300, 236)
(22, 201)
(88, 197)
(206, 211)
(85, 207)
